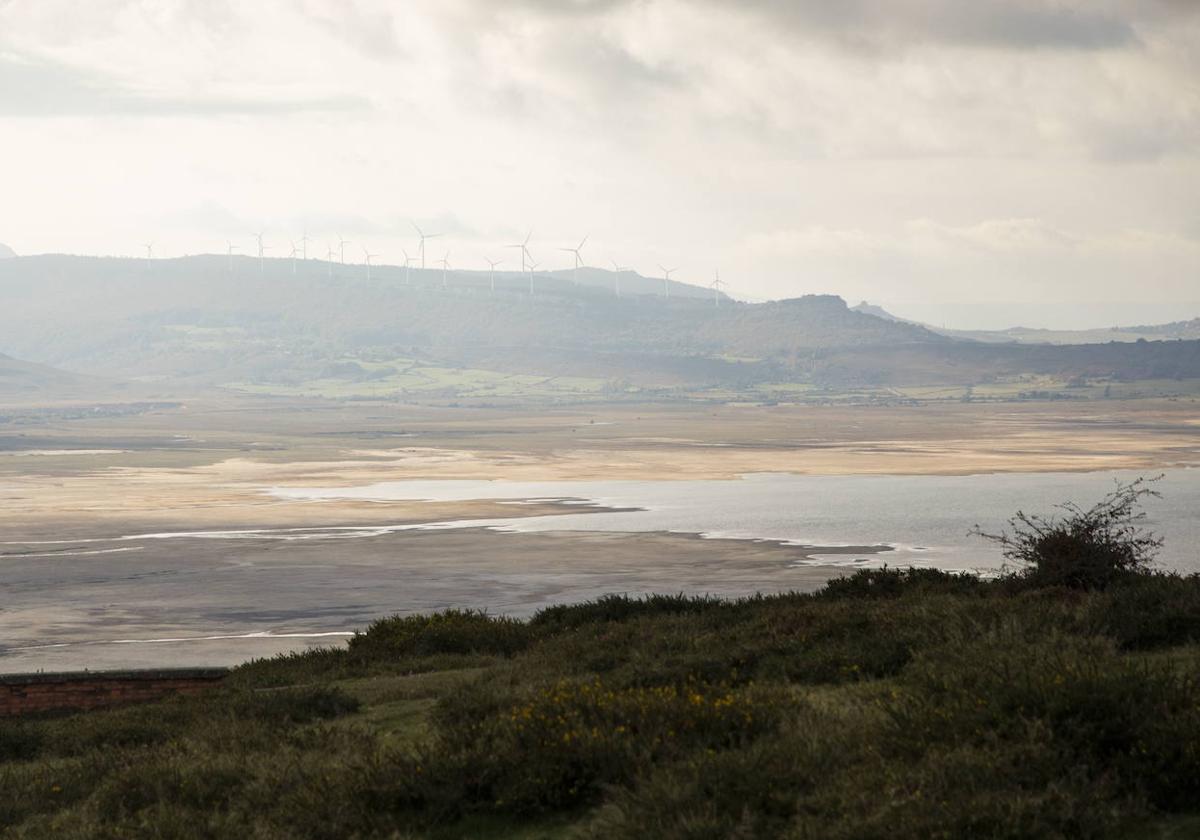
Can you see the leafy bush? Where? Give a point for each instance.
(1082, 549)
(449, 631)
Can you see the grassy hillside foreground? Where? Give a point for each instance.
(1062, 702)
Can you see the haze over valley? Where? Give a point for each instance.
(599, 419)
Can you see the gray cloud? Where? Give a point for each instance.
(32, 87)
(1013, 24)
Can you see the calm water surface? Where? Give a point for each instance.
(926, 519)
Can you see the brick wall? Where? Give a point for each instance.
(29, 693)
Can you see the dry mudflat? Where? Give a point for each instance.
(87, 584)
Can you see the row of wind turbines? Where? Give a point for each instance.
(299, 249)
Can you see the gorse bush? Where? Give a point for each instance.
(1143, 612)
(891, 583)
(556, 747)
(446, 632)
(1082, 548)
(623, 608)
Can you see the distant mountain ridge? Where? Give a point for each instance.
(1176, 330)
(211, 320)
(6, 253)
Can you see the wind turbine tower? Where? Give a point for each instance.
(423, 236)
(493, 264)
(329, 260)
(407, 263)
(667, 272)
(524, 246)
(292, 257)
(578, 259)
(532, 266)
(716, 287)
(617, 270)
(262, 249)
(368, 256)
(445, 267)
(342, 243)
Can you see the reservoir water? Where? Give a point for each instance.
(925, 520)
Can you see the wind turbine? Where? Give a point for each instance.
(292, 257)
(667, 272)
(342, 243)
(329, 259)
(617, 269)
(149, 246)
(230, 248)
(423, 236)
(368, 256)
(716, 287)
(445, 267)
(524, 246)
(304, 240)
(493, 264)
(407, 262)
(532, 266)
(578, 258)
(262, 249)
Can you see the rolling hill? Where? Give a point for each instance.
(20, 380)
(276, 325)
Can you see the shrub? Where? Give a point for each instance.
(892, 583)
(290, 705)
(1082, 549)
(752, 792)
(446, 632)
(19, 740)
(1148, 611)
(292, 668)
(622, 608)
(1137, 720)
(557, 747)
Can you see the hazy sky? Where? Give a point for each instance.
(979, 162)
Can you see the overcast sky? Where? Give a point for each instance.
(980, 163)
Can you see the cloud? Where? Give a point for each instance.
(31, 87)
(1016, 24)
(1012, 24)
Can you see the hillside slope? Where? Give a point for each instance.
(208, 318)
(212, 321)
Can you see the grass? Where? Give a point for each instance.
(890, 704)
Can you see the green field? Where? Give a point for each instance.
(407, 377)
